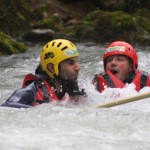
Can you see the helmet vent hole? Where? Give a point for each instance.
(64, 48)
(53, 43)
(47, 46)
(71, 44)
(59, 44)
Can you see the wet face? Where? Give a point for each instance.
(120, 66)
(69, 69)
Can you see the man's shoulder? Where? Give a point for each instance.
(28, 79)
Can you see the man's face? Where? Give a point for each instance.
(119, 65)
(69, 69)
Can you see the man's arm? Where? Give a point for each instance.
(22, 98)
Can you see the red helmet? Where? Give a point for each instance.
(122, 48)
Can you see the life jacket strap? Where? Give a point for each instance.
(41, 85)
(108, 79)
(143, 79)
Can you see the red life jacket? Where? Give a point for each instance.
(107, 79)
(45, 93)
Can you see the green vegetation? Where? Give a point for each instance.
(10, 46)
(97, 20)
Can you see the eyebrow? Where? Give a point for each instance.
(69, 60)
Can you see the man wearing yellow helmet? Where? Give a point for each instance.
(55, 76)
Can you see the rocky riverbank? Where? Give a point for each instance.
(97, 21)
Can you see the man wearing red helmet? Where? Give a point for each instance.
(120, 64)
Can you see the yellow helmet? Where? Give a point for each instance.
(55, 52)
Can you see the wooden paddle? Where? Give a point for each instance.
(124, 100)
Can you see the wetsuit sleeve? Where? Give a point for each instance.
(22, 98)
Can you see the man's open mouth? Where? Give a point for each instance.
(114, 72)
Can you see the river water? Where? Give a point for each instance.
(51, 127)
